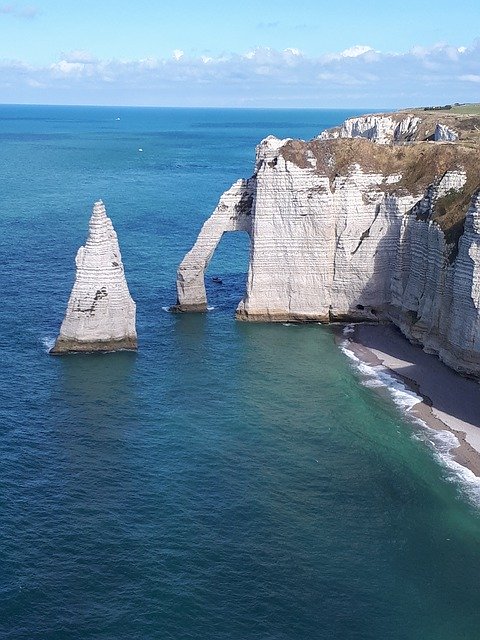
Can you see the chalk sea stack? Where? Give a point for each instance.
(100, 313)
(377, 220)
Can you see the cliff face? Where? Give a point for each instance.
(348, 227)
(402, 126)
(379, 128)
(308, 253)
(100, 313)
(437, 304)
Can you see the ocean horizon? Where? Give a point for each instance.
(229, 480)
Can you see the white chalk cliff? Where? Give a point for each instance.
(100, 313)
(397, 127)
(381, 128)
(344, 228)
(444, 134)
(435, 303)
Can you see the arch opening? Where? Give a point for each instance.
(226, 274)
(234, 212)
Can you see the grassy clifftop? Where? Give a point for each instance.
(468, 108)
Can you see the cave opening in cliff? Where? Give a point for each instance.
(225, 276)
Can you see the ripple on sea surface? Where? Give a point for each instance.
(229, 480)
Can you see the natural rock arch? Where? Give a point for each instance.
(233, 213)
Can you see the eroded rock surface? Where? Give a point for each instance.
(406, 126)
(344, 228)
(100, 313)
(379, 128)
(437, 303)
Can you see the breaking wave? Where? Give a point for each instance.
(47, 343)
(441, 442)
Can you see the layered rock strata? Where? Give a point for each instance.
(437, 304)
(378, 128)
(100, 313)
(342, 228)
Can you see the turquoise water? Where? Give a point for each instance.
(230, 481)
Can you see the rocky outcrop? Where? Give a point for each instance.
(444, 134)
(380, 128)
(343, 229)
(100, 313)
(402, 127)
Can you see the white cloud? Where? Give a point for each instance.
(357, 76)
(440, 51)
(36, 84)
(13, 9)
(79, 55)
(470, 77)
(326, 76)
(148, 63)
(354, 52)
(359, 50)
(293, 51)
(67, 68)
(267, 25)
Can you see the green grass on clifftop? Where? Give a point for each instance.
(467, 109)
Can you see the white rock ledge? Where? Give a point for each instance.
(100, 313)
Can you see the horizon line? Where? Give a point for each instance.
(238, 108)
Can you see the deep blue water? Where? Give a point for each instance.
(229, 481)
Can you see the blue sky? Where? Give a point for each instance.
(264, 53)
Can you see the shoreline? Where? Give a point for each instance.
(449, 402)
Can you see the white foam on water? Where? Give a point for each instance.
(378, 376)
(210, 308)
(442, 442)
(167, 309)
(373, 383)
(48, 343)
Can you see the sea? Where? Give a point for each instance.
(230, 481)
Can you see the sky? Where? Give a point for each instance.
(262, 53)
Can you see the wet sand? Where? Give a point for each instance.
(450, 401)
